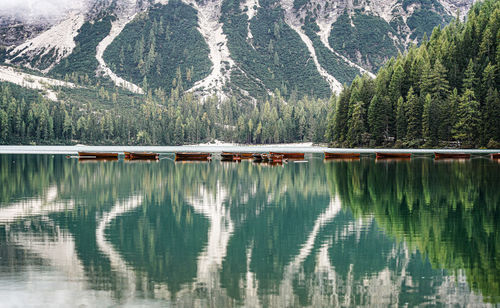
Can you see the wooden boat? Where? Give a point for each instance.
(276, 158)
(385, 155)
(97, 155)
(451, 156)
(192, 156)
(495, 156)
(289, 155)
(341, 155)
(141, 155)
(257, 158)
(230, 156)
(240, 155)
(245, 155)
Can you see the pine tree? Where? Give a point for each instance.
(440, 88)
(414, 116)
(430, 121)
(377, 119)
(467, 127)
(67, 126)
(4, 127)
(470, 80)
(341, 116)
(492, 116)
(356, 126)
(401, 121)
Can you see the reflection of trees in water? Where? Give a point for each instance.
(448, 211)
(225, 234)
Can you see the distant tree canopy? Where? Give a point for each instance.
(443, 93)
(155, 119)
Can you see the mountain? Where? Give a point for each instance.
(241, 48)
(441, 94)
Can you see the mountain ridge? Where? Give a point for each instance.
(254, 47)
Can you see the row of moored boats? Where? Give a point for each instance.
(272, 157)
(395, 155)
(114, 155)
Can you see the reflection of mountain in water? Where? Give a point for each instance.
(233, 234)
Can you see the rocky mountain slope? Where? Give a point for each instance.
(242, 48)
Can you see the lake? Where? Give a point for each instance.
(335, 233)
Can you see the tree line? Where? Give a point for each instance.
(158, 119)
(442, 93)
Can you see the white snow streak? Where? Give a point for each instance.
(292, 20)
(325, 29)
(250, 7)
(9, 74)
(382, 8)
(462, 6)
(210, 27)
(58, 39)
(117, 27)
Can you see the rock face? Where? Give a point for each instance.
(14, 32)
(307, 47)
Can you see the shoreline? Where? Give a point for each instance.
(218, 148)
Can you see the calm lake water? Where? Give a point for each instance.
(340, 233)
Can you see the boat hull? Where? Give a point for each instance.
(341, 155)
(289, 155)
(451, 156)
(230, 157)
(89, 155)
(141, 155)
(240, 155)
(257, 158)
(380, 155)
(193, 156)
(276, 158)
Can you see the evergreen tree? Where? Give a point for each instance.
(377, 120)
(401, 119)
(467, 128)
(492, 117)
(341, 116)
(4, 127)
(414, 116)
(430, 121)
(356, 130)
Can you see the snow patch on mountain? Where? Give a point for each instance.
(453, 6)
(58, 40)
(325, 27)
(293, 21)
(125, 14)
(12, 75)
(382, 8)
(116, 28)
(210, 27)
(250, 6)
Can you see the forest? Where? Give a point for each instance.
(159, 119)
(443, 93)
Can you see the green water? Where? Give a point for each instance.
(346, 233)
